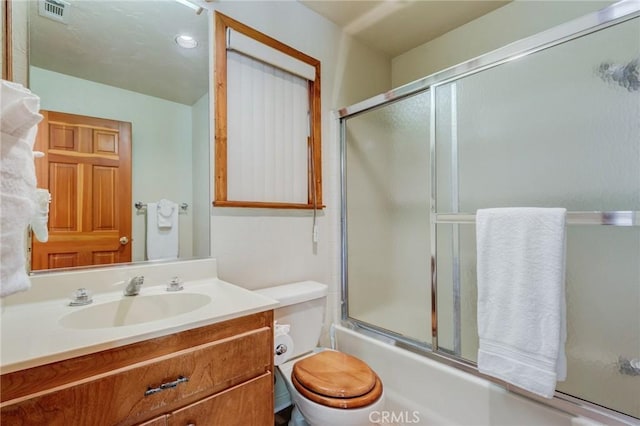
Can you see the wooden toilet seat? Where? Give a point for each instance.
(336, 380)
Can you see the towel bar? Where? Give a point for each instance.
(613, 218)
(140, 205)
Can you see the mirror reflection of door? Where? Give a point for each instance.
(87, 170)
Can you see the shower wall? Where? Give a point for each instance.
(387, 179)
(511, 22)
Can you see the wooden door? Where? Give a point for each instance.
(87, 169)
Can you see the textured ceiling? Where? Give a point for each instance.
(130, 44)
(127, 44)
(397, 26)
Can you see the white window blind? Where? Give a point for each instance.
(241, 43)
(268, 127)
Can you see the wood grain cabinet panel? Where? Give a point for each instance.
(242, 405)
(158, 421)
(149, 389)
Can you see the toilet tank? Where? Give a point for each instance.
(302, 306)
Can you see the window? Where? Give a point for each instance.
(267, 132)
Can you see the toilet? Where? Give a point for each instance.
(327, 387)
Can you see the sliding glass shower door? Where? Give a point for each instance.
(554, 125)
(387, 217)
(557, 128)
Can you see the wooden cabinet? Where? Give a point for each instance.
(221, 371)
(235, 406)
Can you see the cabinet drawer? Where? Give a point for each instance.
(250, 403)
(118, 397)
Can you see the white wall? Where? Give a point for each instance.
(161, 141)
(201, 175)
(259, 247)
(507, 24)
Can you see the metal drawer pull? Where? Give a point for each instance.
(168, 385)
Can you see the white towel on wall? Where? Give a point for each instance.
(166, 212)
(521, 296)
(18, 127)
(162, 243)
(40, 217)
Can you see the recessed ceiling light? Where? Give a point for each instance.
(186, 41)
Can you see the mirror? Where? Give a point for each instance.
(119, 60)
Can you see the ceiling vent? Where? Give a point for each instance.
(57, 10)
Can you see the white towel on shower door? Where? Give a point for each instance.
(162, 243)
(521, 296)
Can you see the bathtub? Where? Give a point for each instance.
(422, 391)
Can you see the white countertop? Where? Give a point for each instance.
(32, 334)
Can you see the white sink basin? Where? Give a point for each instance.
(134, 310)
(42, 332)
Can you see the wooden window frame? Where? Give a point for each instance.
(222, 22)
(7, 46)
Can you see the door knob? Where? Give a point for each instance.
(124, 241)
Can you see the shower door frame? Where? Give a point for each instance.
(609, 16)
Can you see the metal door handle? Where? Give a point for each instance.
(124, 241)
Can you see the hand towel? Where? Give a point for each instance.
(18, 118)
(162, 243)
(166, 210)
(41, 215)
(13, 265)
(521, 296)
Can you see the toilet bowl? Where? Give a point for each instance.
(327, 387)
(318, 398)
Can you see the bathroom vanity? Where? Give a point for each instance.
(199, 372)
(217, 374)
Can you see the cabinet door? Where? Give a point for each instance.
(250, 403)
(123, 397)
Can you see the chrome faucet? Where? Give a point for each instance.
(81, 297)
(133, 286)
